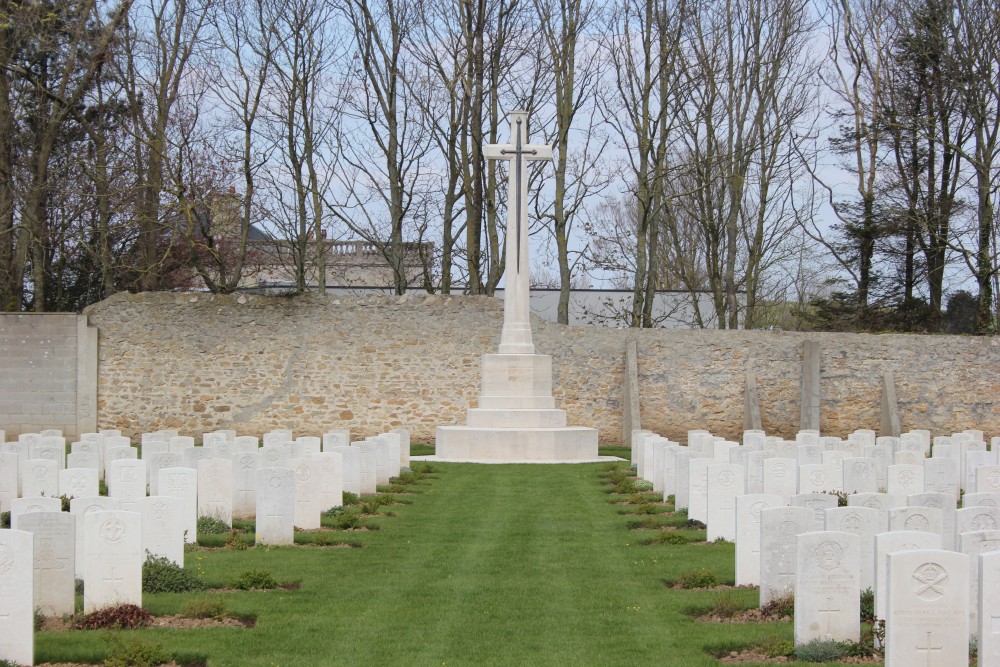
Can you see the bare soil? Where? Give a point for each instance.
(54, 624)
(752, 656)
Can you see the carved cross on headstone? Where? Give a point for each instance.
(516, 336)
(927, 649)
(113, 580)
(826, 614)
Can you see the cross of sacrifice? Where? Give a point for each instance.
(516, 335)
(928, 649)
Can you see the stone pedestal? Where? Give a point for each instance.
(517, 420)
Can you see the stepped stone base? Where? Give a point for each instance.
(517, 420)
(516, 445)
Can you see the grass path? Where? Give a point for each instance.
(489, 565)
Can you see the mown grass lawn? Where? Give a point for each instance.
(488, 565)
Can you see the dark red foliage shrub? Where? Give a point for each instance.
(124, 616)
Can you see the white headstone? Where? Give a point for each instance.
(275, 510)
(158, 462)
(55, 555)
(84, 460)
(127, 482)
(215, 489)
(336, 438)
(883, 502)
(79, 507)
(163, 527)
(352, 468)
(941, 476)
(244, 483)
(972, 545)
(112, 559)
(859, 475)
(698, 488)
(818, 503)
(748, 509)
(277, 438)
(307, 494)
(78, 482)
(863, 522)
(182, 483)
(49, 452)
(725, 483)
(988, 479)
(886, 543)
(40, 478)
(924, 519)
(682, 465)
(927, 622)
(29, 504)
(820, 478)
(946, 504)
(368, 464)
(779, 527)
(307, 445)
(905, 479)
(827, 587)
(780, 477)
(180, 443)
(404, 446)
(988, 597)
(273, 457)
(17, 605)
(981, 500)
(331, 479)
(9, 467)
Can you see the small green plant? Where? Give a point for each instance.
(348, 521)
(205, 608)
(102, 488)
(841, 497)
(669, 537)
(421, 468)
(133, 652)
(647, 508)
(209, 525)
(776, 647)
(238, 540)
(700, 578)
(643, 485)
(694, 523)
(779, 608)
(351, 498)
(8, 663)
(122, 616)
(162, 575)
(78, 586)
(726, 604)
(39, 620)
(64, 499)
(821, 650)
(334, 512)
(4, 519)
(255, 580)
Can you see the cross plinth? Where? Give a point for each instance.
(516, 336)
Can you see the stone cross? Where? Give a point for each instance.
(516, 336)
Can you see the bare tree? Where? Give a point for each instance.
(860, 38)
(641, 106)
(376, 195)
(575, 77)
(159, 45)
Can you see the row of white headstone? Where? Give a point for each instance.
(104, 540)
(792, 538)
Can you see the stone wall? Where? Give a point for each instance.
(198, 362)
(48, 370)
